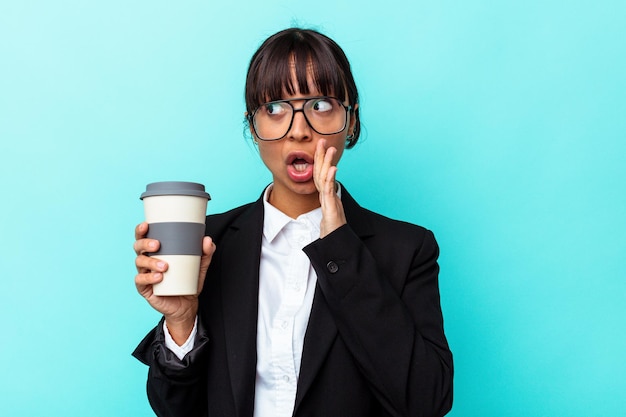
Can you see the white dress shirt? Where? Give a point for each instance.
(286, 288)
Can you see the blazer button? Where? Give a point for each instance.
(332, 267)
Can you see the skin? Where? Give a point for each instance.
(292, 197)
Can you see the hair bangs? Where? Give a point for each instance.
(318, 67)
(290, 64)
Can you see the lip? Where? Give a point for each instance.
(301, 172)
(292, 156)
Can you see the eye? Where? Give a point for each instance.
(322, 105)
(275, 109)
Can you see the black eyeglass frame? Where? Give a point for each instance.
(347, 108)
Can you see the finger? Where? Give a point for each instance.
(144, 283)
(328, 194)
(330, 178)
(208, 249)
(328, 172)
(208, 246)
(146, 263)
(329, 159)
(141, 230)
(148, 278)
(325, 161)
(320, 151)
(143, 246)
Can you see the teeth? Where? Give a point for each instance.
(300, 167)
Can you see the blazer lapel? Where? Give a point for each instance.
(240, 287)
(321, 330)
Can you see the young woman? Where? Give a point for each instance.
(309, 305)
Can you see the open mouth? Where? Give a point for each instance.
(300, 166)
(299, 158)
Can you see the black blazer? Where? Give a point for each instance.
(374, 344)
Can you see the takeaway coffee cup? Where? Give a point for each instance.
(175, 212)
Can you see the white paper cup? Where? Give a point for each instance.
(176, 213)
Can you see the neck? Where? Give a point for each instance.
(293, 204)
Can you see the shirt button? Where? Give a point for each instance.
(332, 267)
(286, 378)
(284, 324)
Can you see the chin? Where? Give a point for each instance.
(303, 188)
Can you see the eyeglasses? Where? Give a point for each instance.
(325, 115)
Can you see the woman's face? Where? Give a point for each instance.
(290, 159)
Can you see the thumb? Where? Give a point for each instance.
(208, 249)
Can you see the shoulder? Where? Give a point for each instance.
(397, 231)
(389, 239)
(369, 223)
(384, 222)
(398, 246)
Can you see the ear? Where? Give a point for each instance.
(245, 115)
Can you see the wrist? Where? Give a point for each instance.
(180, 327)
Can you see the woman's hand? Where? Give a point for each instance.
(324, 173)
(179, 311)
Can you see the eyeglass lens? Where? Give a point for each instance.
(326, 115)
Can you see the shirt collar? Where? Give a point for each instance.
(275, 220)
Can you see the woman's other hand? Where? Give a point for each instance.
(324, 173)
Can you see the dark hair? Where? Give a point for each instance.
(270, 71)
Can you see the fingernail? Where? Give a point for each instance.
(156, 275)
(152, 245)
(161, 265)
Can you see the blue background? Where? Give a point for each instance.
(500, 125)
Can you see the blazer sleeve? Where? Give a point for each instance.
(176, 388)
(387, 310)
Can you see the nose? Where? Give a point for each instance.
(300, 128)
